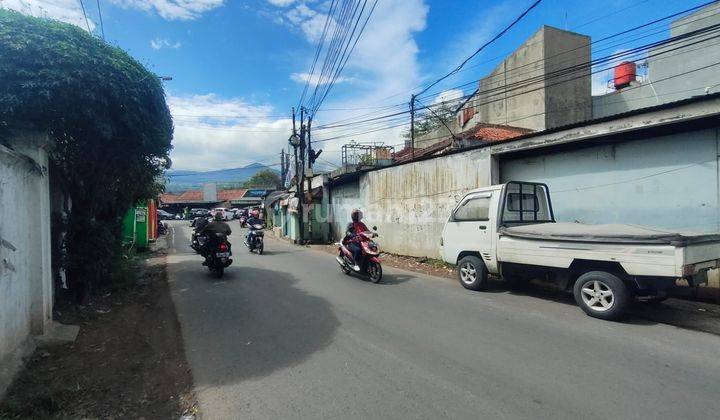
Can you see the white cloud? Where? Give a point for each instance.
(68, 11)
(384, 67)
(159, 43)
(281, 3)
(172, 9)
(315, 78)
(214, 133)
(448, 95)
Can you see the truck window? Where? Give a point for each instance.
(526, 203)
(473, 209)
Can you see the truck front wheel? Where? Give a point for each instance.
(601, 295)
(472, 273)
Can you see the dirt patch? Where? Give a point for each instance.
(128, 360)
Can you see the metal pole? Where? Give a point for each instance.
(412, 126)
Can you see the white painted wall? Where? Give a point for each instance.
(25, 267)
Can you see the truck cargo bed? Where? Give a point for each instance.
(607, 233)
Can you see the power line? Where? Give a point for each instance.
(102, 26)
(482, 47)
(85, 15)
(502, 90)
(595, 42)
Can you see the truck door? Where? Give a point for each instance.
(470, 228)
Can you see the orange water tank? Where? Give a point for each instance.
(625, 73)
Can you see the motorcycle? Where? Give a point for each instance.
(243, 221)
(256, 239)
(217, 257)
(370, 265)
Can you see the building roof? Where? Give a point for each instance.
(494, 132)
(228, 195)
(191, 195)
(486, 133)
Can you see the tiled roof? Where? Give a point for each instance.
(227, 195)
(191, 195)
(494, 132)
(482, 132)
(168, 198)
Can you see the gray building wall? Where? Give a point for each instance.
(343, 198)
(667, 182)
(662, 84)
(524, 92)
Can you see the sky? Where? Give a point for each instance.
(239, 66)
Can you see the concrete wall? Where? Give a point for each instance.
(663, 85)
(25, 266)
(667, 182)
(523, 91)
(410, 203)
(678, 174)
(344, 198)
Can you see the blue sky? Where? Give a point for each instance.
(238, 65)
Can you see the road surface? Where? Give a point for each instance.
(286, 335)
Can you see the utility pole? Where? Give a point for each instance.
(412, 125)
(301, 177)
(283, 173)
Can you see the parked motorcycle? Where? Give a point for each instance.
(370, 265)
(256, 239)
(217, 254)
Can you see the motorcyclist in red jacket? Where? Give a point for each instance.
(353, 238)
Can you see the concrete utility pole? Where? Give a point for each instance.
(283, 172)
(301, 177)
(412, 125)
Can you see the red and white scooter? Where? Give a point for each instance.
(369, 263)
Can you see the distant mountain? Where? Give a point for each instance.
(180, 180)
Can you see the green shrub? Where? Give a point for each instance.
(108, 118)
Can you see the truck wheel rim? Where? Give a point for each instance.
(597, 296)
(468, 273)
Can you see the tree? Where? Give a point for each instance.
(267, 178)
(109, 121)
(431, 122)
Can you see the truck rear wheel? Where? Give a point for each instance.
(601, 295)
(472, 273)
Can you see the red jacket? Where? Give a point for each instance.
(356, 228)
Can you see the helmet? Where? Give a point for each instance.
(218, 216)
(356, 215)
(255, 214)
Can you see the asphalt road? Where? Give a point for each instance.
(287, 335)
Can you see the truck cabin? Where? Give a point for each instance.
(525, 203)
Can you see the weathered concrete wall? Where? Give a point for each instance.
(344, 198)
(25, 267)
(567, 95)
(667, 182)
(673, 74)
(524, 92)
(410, 203)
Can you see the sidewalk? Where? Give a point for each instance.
(128, 360)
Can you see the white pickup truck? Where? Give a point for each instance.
(509, 230)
